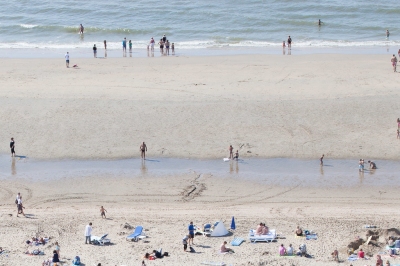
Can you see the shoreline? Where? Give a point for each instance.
(42, 53)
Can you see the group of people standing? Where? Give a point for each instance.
(361, 162)
(164, 45)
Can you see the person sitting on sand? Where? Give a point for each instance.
(379, 261)
(157, 254)
(259, 229)
(361, 254)
(299, 231)
(372, 165)
(391, 242)
(282, 250)
(289, 250)
(42, 241)
(224, 248)
(335, 255)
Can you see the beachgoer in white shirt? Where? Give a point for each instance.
(67, 59)
(88, 233)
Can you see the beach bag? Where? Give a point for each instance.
(36, 252)
(165, 254)
(76, 261)
(192, 250)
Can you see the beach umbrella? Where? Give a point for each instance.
(233, 225)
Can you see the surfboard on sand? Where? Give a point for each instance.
(226, 159)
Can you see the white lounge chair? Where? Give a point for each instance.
(101, 239)
(271, 236)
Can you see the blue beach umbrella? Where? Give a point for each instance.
(233, 225)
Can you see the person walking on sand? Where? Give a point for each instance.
(103, 212)
(12, 147)
(57, 248)
(398, 123)
(81, 29)
(230, 152)
(394, 62)
(20, 207)
(88, 233)
(289, 42)
(143, 149)
(321, 160)
(398, 134)
(191, 233)
(67, 59)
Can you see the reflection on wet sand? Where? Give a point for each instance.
(143, 168)
(280, 171)
(13, 168)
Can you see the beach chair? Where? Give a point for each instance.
(101, 240)
(207, 230)
(271, 236)
(135, 236)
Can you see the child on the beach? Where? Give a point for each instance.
(103, 212)
(173, 47)
(283, 44)
(398, 134)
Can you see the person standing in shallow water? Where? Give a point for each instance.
(143, 149)
(230, 152)
(12, 147)
(321, 160)
(289, 42)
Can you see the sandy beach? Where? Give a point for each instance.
(61, 208)
(266, 106)
(194, 107)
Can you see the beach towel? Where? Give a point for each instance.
(213, 263)
(311, 236)
(352, 258)
(237, 241)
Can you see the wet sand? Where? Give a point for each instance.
(276, 172)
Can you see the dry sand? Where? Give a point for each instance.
(345, 106)
(61, 209)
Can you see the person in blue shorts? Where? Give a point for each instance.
(191, 233)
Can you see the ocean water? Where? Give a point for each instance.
(198, 24)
